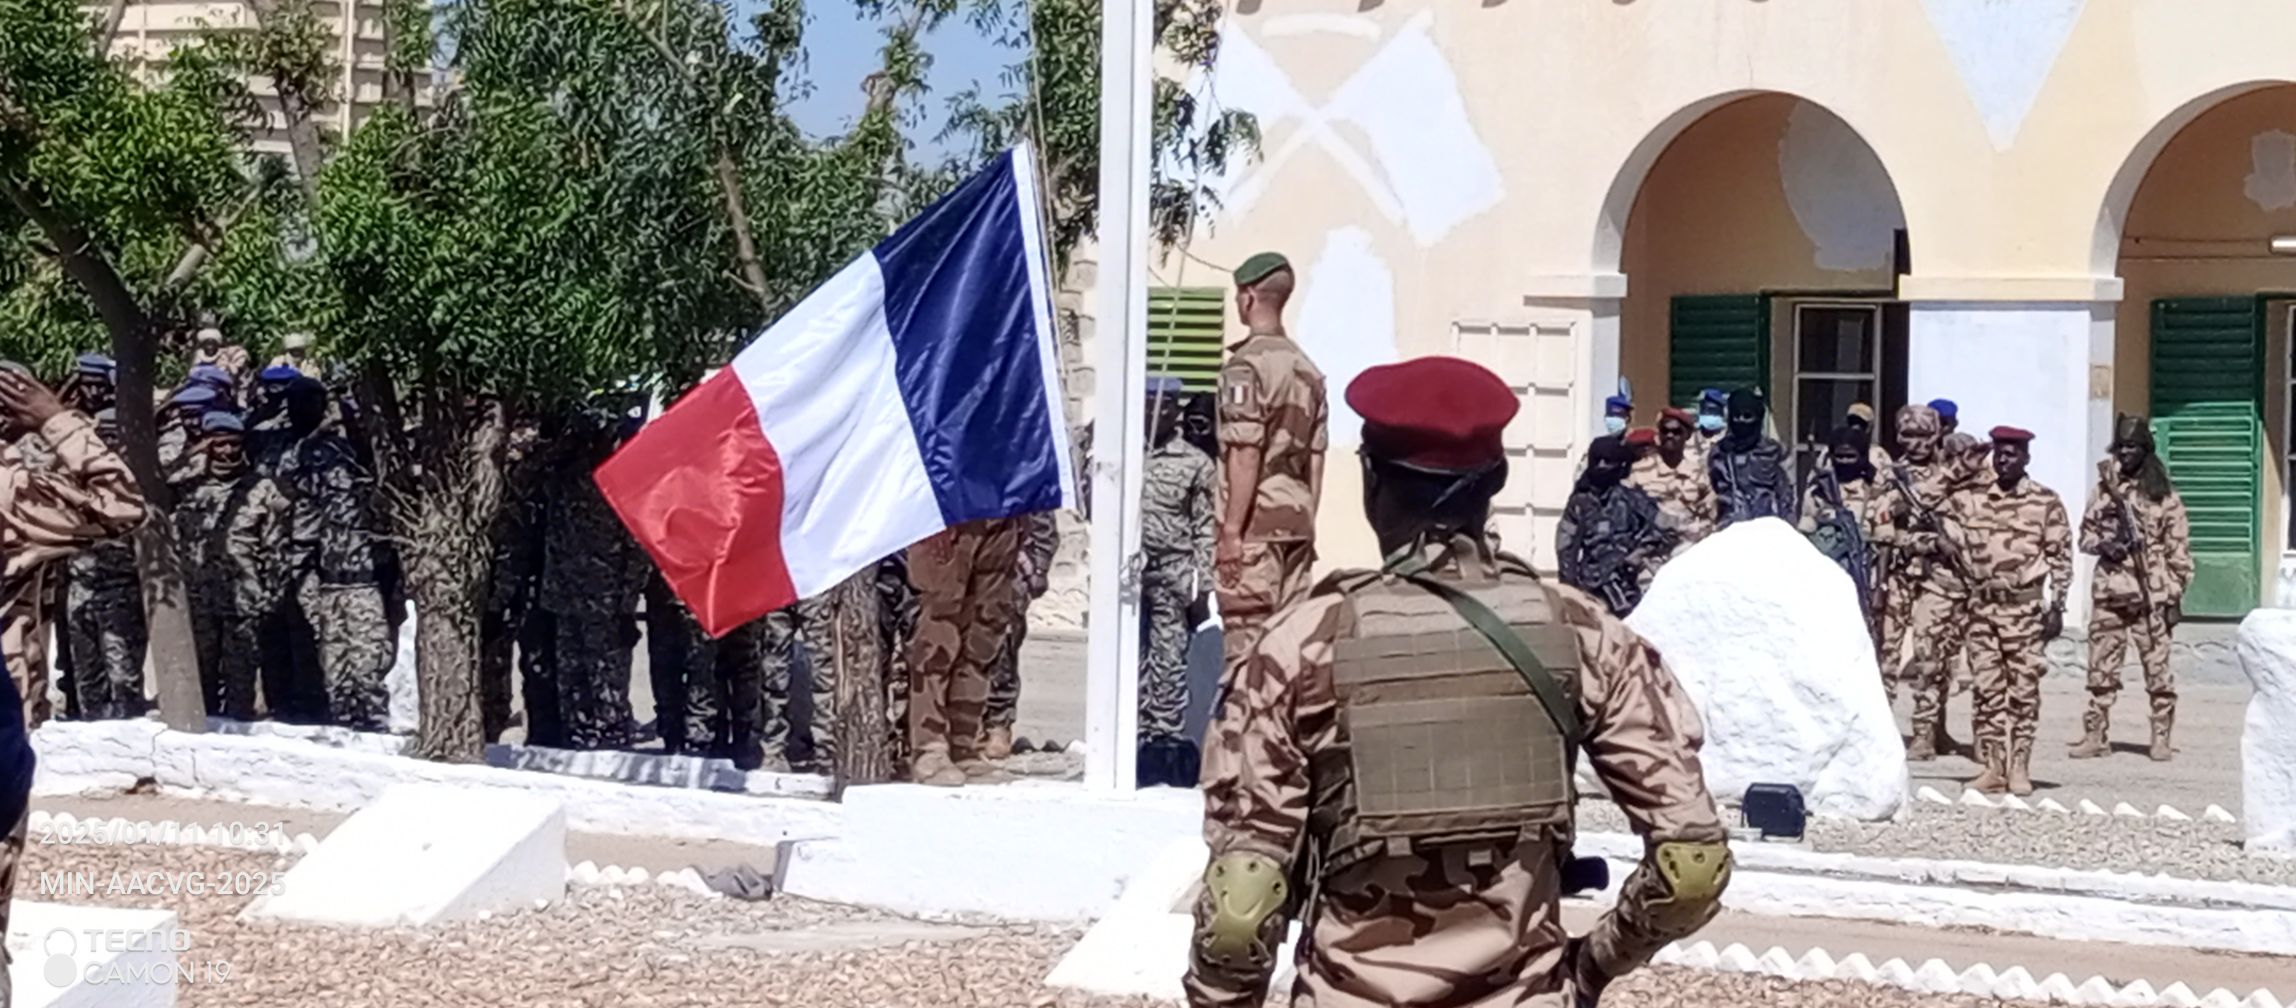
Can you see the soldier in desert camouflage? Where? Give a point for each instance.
(2136, 528)
(1272, 436)
(1308, 761)
(1675, 478)
(2018, 549)
(1925, 599)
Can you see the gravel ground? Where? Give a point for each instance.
(644, 948)
(2200, 850)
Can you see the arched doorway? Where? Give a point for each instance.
(2202, 338)
(1762, 249)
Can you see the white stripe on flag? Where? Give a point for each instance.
(854, 485)
(1040, 302)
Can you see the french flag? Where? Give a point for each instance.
(916, 390)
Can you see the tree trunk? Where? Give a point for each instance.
(458, 495)
(863, 757)
(175, 663)
(300, 112)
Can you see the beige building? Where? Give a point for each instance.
(2046, 210)
(149, 31)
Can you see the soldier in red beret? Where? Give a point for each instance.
(2017, 546)
(1453, 656)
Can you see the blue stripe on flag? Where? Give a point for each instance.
(965, 344)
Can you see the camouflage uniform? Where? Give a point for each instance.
(2019, 548)
(2119, 611)
(682, 662)
(1751, 482)
(1684, 494)
(338, 577)
(842, 634)
(47, 513)
(1608, 543)
(896, 623)
(1927, 604)
(516, 562)
(1829, 501)
(592, 575)
(104, 624)
(1040, 540)
(1271, 399)
(966, 604)
(1176, 521)
(1469, 924)
(232, 529)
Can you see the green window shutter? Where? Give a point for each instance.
(1186, 330)
(2207, 358)
(1717, 341)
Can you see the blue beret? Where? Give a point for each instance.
(1945, 408)
(1714, 397)
(279, 373)
(209, 374)
(96, 364)
(196, 395)
(1618, 402)
(1165, 385)
(222, 421)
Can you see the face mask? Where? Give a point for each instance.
(1612, 424)
(1710, 423)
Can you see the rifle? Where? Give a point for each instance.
(2129, 539)
(1926, 519)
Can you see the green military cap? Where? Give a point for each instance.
(1259, 267)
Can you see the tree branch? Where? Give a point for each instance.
(111, 31)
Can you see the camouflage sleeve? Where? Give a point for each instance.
(1654, 540)
(1782, 490)
(87, 495)
(2176, 545)
(1244, 405)
(1718, 478)
(2094, 532)
(2057, 548)
(1643, 738)
(1569, 566)
(1203, 519)
(1279, 710)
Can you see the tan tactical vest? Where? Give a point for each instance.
(1442, 740)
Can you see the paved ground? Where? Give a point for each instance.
(2213, 696)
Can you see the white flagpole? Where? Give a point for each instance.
(1112, 677)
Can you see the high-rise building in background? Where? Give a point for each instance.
(150, 31)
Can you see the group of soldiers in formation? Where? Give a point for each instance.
(1962, 569)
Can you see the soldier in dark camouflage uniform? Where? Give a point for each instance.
(896, 623)
(1177, 514)
(1753, 475)
(592, 575)
(1040, 540)
(708, 694)
(338, 580)
(1610, 537)
(515, 568)
(104, 618)
(842, 635)
(231, 522)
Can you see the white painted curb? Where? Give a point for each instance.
(1935, 976)
(1978, 799)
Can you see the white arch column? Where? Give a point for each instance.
(2030, 352)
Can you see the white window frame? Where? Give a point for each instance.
(1791, 426)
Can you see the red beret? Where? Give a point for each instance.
(1642, 437)
(2013, 435)
(1678, 415)
(1433, 412)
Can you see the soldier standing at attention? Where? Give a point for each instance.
(1676, 481)
(47, 513)
(1860, 422)
(842, 632)
(336, 573)
(1609, 536)
(1837, 512)
(2019, 548)
(1925, 599)
(966, 604)
(1713, 420)
(2136, 528)
(1752, 473)
(592, 576)
(1176, 516)
(1039, 542)
(235, 520)
(104, 618)
(1311, 764)
(1272, 432)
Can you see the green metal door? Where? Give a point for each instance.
(2207, 402)
(1185, 328)
(1717, 341)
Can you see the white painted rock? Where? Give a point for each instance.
(406, 705)
(2267, 648)
(1765, 635)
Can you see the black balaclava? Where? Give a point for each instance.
(1854, 438)
(1745, 418)
(1607, 461)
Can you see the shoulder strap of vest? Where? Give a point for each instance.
(1408, 565)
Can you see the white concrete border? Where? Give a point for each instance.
(1978, 799)
(1936, 976)
(276, 768)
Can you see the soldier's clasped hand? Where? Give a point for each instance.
(27, 402)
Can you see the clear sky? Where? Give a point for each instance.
(842, 50)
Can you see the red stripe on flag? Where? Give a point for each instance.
(701, 489)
